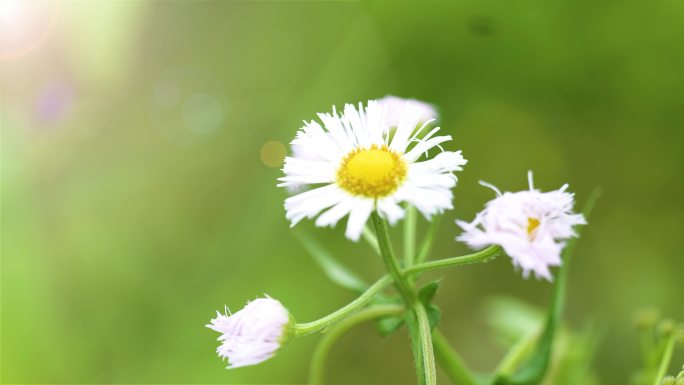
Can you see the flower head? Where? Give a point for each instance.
(530, 226)
(356, 163)
(395, 107)
(253, 334)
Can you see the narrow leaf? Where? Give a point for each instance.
(333, 269)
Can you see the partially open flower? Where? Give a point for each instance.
(530, 226)
(253, 334)
(356, 163)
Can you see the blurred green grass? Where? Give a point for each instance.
(123, 231)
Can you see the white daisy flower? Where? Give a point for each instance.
(253, 334)
(395, 106)
(356, 164)
(530, 226)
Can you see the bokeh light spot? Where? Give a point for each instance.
(54, 101)
(273, 153)
(167, 94)
(202, 113)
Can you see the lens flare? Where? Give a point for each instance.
(24, 25)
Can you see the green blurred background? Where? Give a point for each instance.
(141, 142)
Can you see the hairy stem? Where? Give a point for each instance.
(423, 354)
(355, 305)
(426, 343)
(388, 257)
(482, 256)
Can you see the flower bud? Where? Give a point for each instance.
(253, 334)
(680, 336)
(666, 327)
(669, 380)
(646, 318)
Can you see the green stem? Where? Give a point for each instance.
(426, 245)
(333, 334)
(400, 280)
(410, 223)
(369, 236)
(514, 357)
(482, 256)
(426, 343)
(665, 360)
(422, 348)
(450, 361)
(322, 323)
(329, 320)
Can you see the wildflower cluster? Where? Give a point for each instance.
(376, 164)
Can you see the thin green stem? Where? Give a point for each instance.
(426, 245)
(514, 357)
(333, 334)
(400, 280)
(420, 330)
(482, 256)
(357, 304)
(370, 238)
(451, 362)
(410, 223)
(322, 323)
(666, 359)
(426, 343)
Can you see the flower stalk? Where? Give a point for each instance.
(410, 298)
(342, 313)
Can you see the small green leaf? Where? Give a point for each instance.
(337, 272)
(427, 292)
(434, 315)
(389, 325)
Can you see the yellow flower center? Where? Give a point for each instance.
(532, 224)
(373, 172)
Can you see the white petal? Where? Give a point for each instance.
(424, 146)
(390, 210)
(337, 212)
(308, 204)
(358, 217)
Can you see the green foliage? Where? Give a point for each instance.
(659, 336)
(333, 269)
(427, 292)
